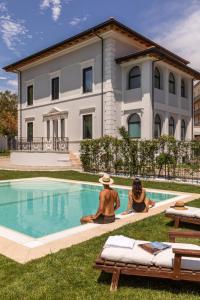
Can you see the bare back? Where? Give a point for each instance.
(109, 201)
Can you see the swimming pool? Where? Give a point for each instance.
(41, 207)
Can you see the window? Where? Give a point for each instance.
(48, 130)
(30, 95)
(62, 128)
(87, 80)
(183, 130)
(157, 127)
(172, 84)
(30, 132)
(55, 128)
(157, 78)
(134, 126)
(171, 126)
(182, 88)
(87, 127)
(134, 78)
(55, 88)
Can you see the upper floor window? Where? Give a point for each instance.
(171, 126)
(172, 84)
(157, 126)
(134, 80)
(157, 78)
(87, 80)
(183, 130)
(183, 88)
(55, 88)
(134, 126)
(30, 95)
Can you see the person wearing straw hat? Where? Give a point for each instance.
(109, 202)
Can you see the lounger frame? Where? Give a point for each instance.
(177, 219)
(175, 273)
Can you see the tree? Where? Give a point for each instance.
(8, 114)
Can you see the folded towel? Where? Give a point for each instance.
(119, 241)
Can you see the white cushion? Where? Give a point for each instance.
(136, 255)
(190, 212)
(166, 258)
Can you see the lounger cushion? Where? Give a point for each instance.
(190, 212)
(166, 257)
(136, 255)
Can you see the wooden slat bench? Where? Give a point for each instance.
(178, 218)
(175, 273)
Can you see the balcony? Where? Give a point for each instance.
(41, 144)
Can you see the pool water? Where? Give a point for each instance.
(41, 207)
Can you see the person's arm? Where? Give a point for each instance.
(117, 202)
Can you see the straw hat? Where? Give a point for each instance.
(179, 205)
(105, 179)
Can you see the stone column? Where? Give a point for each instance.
(146, 87)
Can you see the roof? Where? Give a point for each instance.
(110, 24)
(161, 54)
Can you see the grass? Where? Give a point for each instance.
(68, 274)
(4, 153)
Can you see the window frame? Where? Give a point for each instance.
(172, 83)
(53, 78)
(170, 126)
(82, 117)
(132, 77)
(157, 123)
(183, 88)
(27, 94)
(134, 122)
(157, 77)
(84, 70)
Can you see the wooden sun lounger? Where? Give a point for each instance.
(176, 273)
(177, 219)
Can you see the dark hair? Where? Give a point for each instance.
(137, 187)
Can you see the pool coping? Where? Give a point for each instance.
(23, 248)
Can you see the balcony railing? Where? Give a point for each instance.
(41, 144)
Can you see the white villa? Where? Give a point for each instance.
(95, 82)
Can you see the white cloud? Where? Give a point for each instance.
(2, 78)
(54, 5)
(12, 31)
(13, 83)
(183, 35)
(3, 7)
(76, 21)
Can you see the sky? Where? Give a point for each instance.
(27, 26)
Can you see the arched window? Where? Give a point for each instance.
(134, 126)
(182, 88)
(157, 78)
(171, 126)
(172, 84)
(157, 126)
(183, 130)
(134, 80)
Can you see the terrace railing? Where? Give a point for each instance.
(41, 144)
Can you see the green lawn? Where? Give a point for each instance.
(68, 274)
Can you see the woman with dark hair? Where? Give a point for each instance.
(137, 199)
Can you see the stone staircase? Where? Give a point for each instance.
(75, 161)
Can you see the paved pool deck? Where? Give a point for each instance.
(23, 249)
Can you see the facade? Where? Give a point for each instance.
(197, 111)
(104, 78)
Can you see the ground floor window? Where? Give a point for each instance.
(171, 126)
(30, 131)
(48, 130)
(134, 126)
(87, 126)
(157, 127)
(183, 130)
(55, 128)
